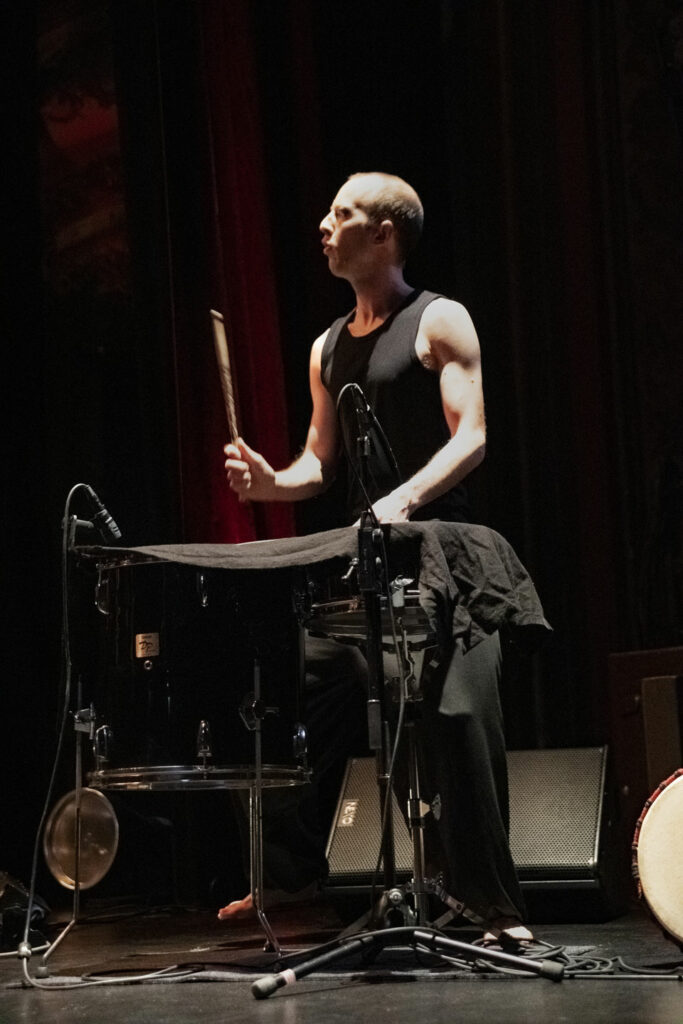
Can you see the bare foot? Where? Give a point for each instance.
(507, 929)
(237, 909)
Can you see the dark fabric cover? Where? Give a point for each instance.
(470, 579)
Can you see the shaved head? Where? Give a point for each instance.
(388, 197)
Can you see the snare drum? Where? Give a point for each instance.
(174, 687)
(657, 863)
(344, 619)
(331, 606)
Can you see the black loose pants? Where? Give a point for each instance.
(463, 774)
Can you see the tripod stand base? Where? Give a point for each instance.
(372, 943)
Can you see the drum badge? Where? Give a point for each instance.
(146, 645)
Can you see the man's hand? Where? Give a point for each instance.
(393, 508)
(249, 475)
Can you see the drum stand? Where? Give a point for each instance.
(253, 712)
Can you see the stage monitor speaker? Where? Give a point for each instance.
(354, 841)
(559, 826)
(556, 815)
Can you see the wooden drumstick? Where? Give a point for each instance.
(223, 359)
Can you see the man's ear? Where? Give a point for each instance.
(383, 231)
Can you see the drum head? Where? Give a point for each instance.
(660, 864)
(179, 777)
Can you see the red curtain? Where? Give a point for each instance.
(243, 289)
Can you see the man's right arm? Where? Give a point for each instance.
(254, 479)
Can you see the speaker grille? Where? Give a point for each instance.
(354, 842)
(556, 799)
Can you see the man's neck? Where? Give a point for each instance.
(377, 298)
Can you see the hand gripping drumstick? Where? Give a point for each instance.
(223, 358)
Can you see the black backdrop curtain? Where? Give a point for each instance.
(521, 126)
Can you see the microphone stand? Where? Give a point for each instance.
(369, 570)
(392, 923)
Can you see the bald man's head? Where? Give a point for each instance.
(388, 197)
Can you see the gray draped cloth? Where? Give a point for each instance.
(471, 582)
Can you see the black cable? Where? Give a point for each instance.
(63, 718)
(349, 458)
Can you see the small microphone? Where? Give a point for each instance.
(363, 411)
(370, 427)
(101, 518)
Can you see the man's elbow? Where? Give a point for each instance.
(328, 474)
(478, 449)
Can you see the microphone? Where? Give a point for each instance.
(101, 518)
(366, 417)
(385, 465)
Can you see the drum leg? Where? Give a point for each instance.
(256, 823)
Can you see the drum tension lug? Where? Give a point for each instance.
(84, 721)
(253, 711)
(353, 566)
(300, 744)
(204, 745)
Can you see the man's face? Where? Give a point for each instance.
(347, 232)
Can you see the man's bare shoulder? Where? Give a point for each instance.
(317, 348)
(448, 329)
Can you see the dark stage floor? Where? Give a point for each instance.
(223, 960)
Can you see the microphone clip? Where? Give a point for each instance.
(101, 520)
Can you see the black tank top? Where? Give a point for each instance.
(405, 398)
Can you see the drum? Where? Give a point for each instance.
(331, 605)
(190, 662)
(657, 863)
(344, 619)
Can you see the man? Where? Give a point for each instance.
(416, 357)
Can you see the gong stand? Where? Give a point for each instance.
(83, 722)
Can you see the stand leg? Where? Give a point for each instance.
(256, 824)
(373, 942)
(417, 826)
(83, 722)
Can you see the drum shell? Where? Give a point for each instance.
(177, 647)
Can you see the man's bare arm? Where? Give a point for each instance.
(254, 479)
(447, 343)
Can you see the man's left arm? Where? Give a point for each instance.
(447, 344)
